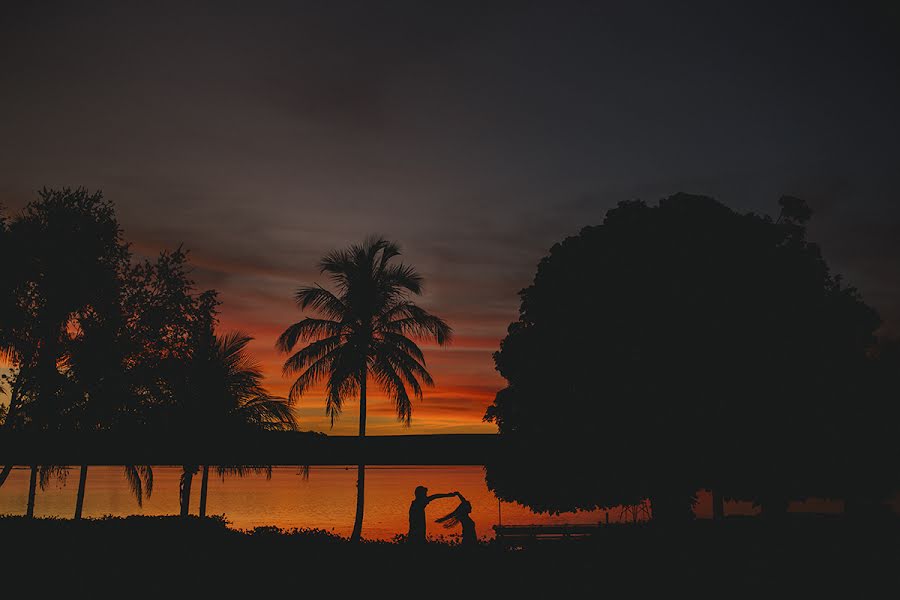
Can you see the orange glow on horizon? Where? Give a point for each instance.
(465, 380)
(257, 300)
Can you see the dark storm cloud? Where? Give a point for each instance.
(478, 134)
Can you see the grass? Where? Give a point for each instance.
(164, 555)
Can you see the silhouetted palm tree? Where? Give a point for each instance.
(234, 401)
(368, 328)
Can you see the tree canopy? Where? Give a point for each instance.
(101, 342)
(688, 344)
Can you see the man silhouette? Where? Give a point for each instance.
(417, 513)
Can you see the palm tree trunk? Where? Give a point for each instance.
(79, 500)
(5, 473)
(361, 469)
(203, 488)
(187, 476)
(7, 424)
(32, 488)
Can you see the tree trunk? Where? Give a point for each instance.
(7, 424)
(718, 505)
(5, 473)
(79, 500)
(187, 476)
(361, 469)
(204, 483)
(32, 488)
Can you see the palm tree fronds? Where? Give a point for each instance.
(318, 298)
(140, 481)
(242, 470)
(46, 473)
(392, 383)
(369, 324)
(309, 355)
(307, 329)
(404, 277)
(269, 413)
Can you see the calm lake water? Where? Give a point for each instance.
(326, 500)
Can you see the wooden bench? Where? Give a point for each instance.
(520, 535)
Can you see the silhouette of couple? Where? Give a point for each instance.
(459, 516)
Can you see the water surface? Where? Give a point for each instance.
(326, 500)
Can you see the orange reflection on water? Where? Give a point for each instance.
(327, 500)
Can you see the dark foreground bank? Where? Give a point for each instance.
(168, 555)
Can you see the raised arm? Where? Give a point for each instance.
(436, 496)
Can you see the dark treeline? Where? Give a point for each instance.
(672, 348)
(685, 346)
(103, 343)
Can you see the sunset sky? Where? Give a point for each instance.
(476, 136)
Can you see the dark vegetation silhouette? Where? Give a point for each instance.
(672, 348)
(224, 396)
(685, 346)
(840, 557)
(368, 327)
(102, 343)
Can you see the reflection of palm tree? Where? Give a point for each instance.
(237, 402)
(367, 329)
(223, 471)
(140, 481)
(41, 476)
(139, 478)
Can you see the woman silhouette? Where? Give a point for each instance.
(461, 516)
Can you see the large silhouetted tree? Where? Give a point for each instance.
(125, 361)
(67, 261)
(98, 344)
(86, 331)
(368, 329)
(174, 325)
(678, 346)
